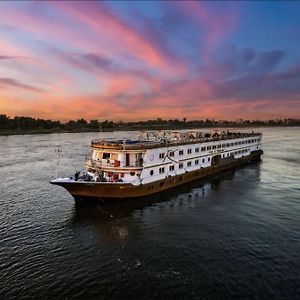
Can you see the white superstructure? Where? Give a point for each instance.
(158, 155)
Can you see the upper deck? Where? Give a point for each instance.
(158, 139)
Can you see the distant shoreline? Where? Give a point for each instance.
(29, 125)
(8, 132)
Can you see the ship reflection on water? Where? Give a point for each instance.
(119, 220)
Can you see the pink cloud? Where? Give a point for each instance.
(114, 72)
(118, 36)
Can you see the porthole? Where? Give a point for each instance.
(151, 172)
(132, 173)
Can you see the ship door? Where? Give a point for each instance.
(127, 159)
(215, 160)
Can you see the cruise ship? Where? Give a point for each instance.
(157, 161)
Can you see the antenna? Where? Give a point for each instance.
(57, 151)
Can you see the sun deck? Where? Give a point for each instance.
(149, 140)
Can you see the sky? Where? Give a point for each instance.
(140, 60)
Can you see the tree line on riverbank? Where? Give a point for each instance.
(22, 124)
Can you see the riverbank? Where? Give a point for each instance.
(28, 125)
(7, 132)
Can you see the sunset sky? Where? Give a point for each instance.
(144, 60)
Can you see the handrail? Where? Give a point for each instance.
(147, 143)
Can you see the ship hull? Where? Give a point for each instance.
(117, 191)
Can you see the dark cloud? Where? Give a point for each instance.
(245, 87)
(256, 86)
(267, 61)
(230, 62)
(9, 82)
(7, 57)
(246, 55)
(97, 61)
(246, 74)
(90, 62)
(247, 62)
(291, 73)
(16, 58)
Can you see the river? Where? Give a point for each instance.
(235, 235)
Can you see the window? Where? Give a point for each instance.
(203, 148)
(203, 160)
(219, 146)
(151, 172)
(208, 159)
(189, 163)
(224, 145)
(214, 147)
(132, 173)
(171, 168)
(106, 155)
(161, 155)
(161, 170)
(180, 152)
(171, 153)
(208, 147)
(196, 150)
(197, 162)
(189, 151)
(180, 165)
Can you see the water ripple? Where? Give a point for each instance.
(235, 235)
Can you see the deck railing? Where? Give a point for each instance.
(159, 143)
(112, 164)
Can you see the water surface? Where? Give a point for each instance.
(234, 235)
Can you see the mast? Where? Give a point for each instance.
(57, 151)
